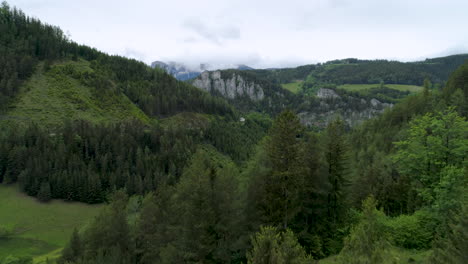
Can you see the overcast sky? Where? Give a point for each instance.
(261, 33)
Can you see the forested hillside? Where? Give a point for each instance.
(185, 176)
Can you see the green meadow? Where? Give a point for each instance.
(39, 230)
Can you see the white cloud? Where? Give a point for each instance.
(261, 33)
(216, 34)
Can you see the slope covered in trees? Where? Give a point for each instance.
(309, 187)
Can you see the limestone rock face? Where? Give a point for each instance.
(327, 93)
(232, 87)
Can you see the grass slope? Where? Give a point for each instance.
(51, 97)
(39, 229)
(293, 87)
(399, 87)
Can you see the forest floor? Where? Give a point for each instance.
(39, 230)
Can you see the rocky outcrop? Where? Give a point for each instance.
(327, 93)
(232, 87)
(331, 107)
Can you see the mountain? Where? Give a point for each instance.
(183, 72)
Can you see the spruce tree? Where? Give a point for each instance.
(283, 185)
(336, 156)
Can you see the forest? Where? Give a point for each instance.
(207, 181)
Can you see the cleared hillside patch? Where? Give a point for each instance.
(293, 87)
(51, 97)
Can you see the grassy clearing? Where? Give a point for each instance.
(39, 229)
(49, 98)
(293, 87)
(399, 87)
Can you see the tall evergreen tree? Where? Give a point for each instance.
(283, 185)
(336, 156)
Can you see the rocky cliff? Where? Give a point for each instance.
(232, 87)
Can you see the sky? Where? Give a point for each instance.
(260, 33)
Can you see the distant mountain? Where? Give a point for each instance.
(183, 72)
(354, 89)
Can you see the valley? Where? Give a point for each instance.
(105, 159)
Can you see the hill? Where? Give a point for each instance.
(50, 98)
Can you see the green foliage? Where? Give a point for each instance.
(452, 247)
(412, 231)
(433, 143)
(368, 241)
(273, 247)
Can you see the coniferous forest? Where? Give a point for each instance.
(190, 178)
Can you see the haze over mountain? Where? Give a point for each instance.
(185, 72)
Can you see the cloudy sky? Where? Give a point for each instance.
(261, 33)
